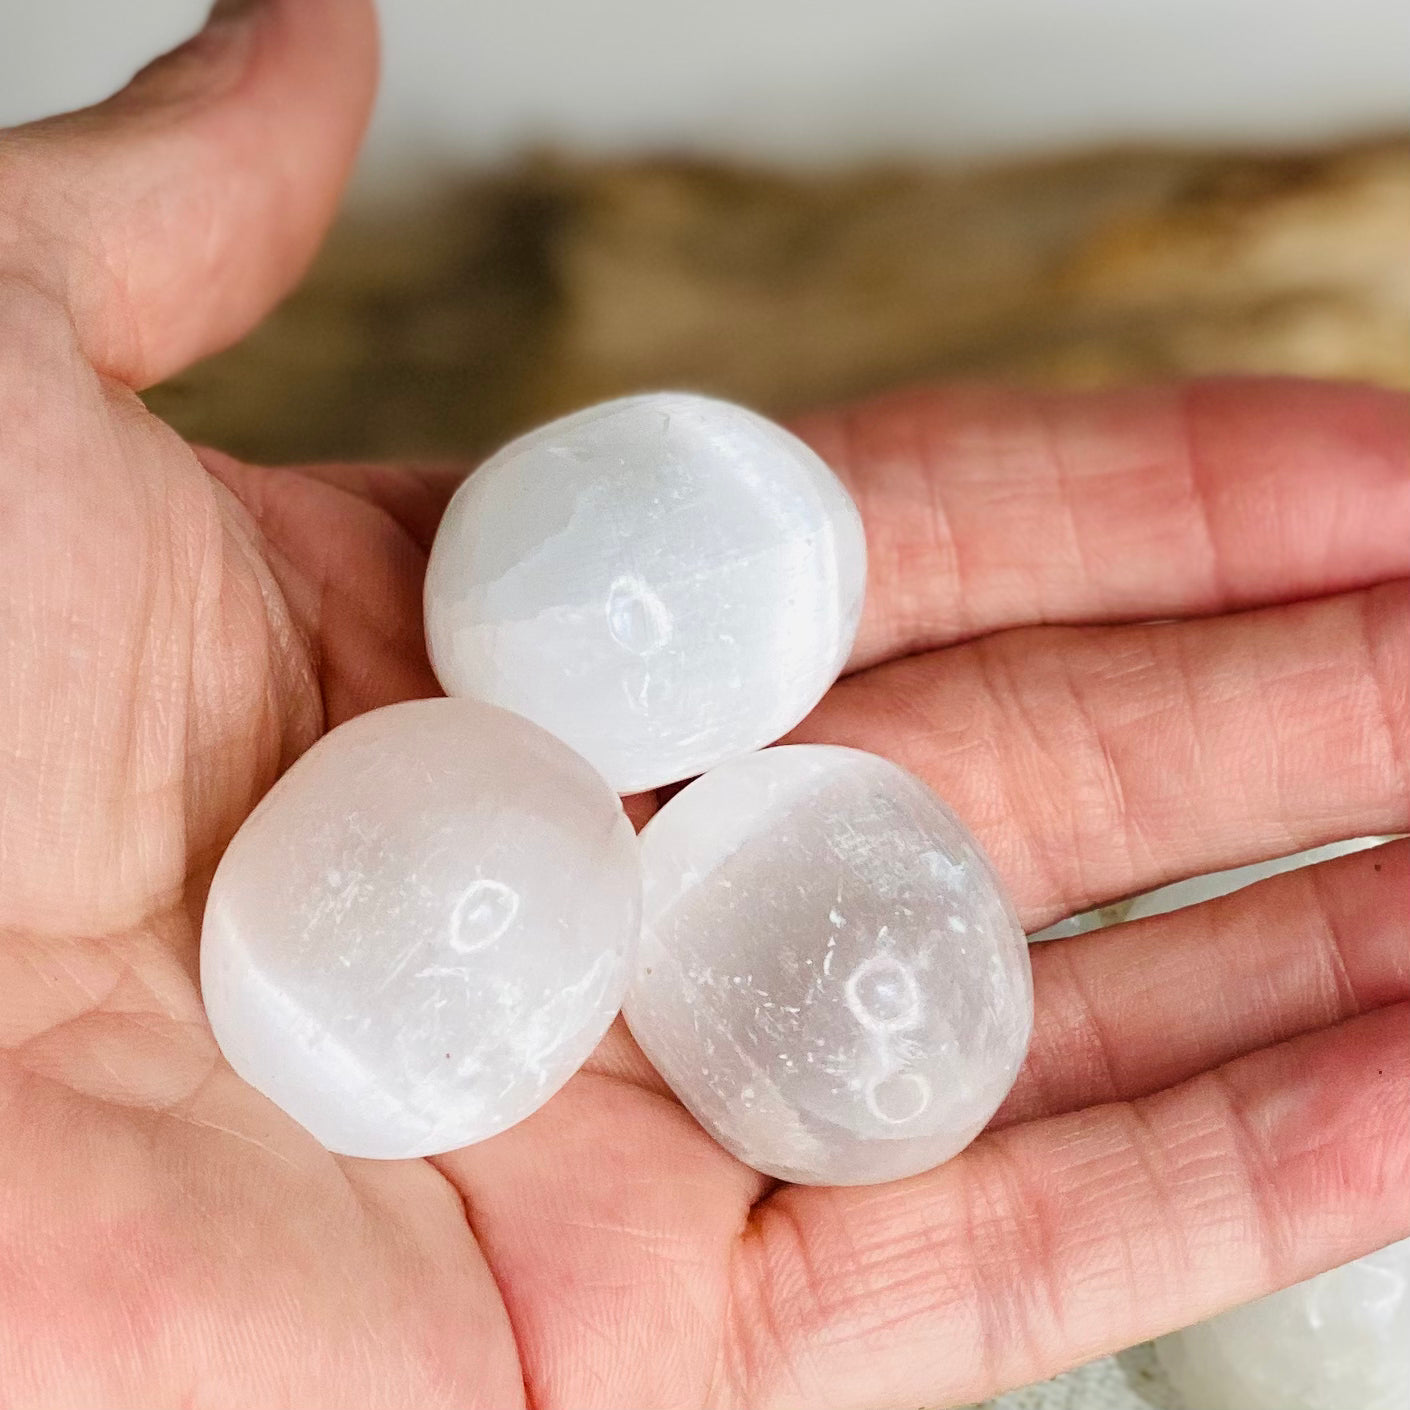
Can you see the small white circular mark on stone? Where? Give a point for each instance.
(898, 1098)
(636, 617)
(883, 996)
(482, 915)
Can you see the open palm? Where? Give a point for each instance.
(1214, 1104)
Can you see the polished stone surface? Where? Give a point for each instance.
(1337, 1342)
(423, 929)
(665, 582)
(830, 977)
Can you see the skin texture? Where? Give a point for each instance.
(1215, 1104)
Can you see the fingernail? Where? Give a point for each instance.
(224, 11)
(197, 68)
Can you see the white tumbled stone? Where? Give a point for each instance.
(665, 582)
(1340, 1341)
(423, 929)
(830, 977)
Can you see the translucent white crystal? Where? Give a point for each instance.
(1337, 1342)
(665, 582)
(830, 976)
(423, 929)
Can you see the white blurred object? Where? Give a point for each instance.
(798, 79)
(1192, 890)
(1337, 1342)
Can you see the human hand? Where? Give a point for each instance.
(1214, 1102)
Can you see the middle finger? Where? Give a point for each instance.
(1095, 762)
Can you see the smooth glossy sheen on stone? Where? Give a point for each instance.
(665, 582)
(830, 977)
(423, 929)
(1337, 1342)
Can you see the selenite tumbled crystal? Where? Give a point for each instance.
(423, 929)
(830, 977)
(665, 582)
(1340, 1341)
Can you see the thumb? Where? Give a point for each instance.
(171, 217)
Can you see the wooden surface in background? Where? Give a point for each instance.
(443, 328)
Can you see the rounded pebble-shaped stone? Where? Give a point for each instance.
(830, 977)
(1340, 1341)
(423, 929)
(664, 581)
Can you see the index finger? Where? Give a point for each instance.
(988, 508)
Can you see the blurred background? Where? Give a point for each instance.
(816, 80)
(794, 201)
(797, 201)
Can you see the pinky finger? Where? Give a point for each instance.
(1046, 1244)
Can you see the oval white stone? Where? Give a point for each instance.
(1340, 1341)
(665, 582)
(423, 929)
(830, 977)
